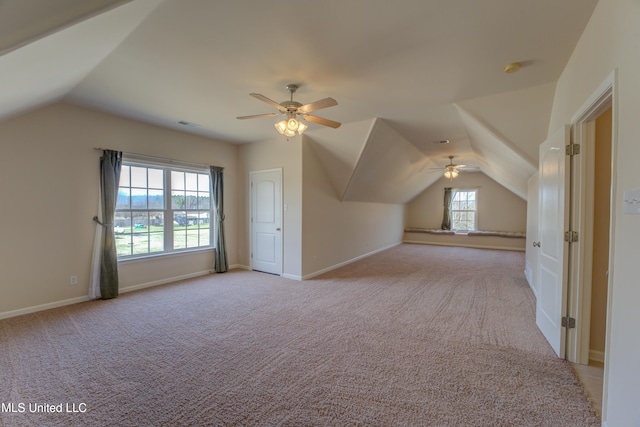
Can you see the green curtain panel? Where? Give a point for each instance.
(446, 217)
(217, 186)
(110, 166)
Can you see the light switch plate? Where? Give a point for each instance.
(632, 202)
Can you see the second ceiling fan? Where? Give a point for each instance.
(452, 170)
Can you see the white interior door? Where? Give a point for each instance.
(553, 220)
(266, 221)
(531, 251)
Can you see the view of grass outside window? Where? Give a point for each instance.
(191, 204)
(463, 210)
(161, 209)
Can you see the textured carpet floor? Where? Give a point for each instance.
(413, 336)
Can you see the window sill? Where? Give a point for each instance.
(164, 255)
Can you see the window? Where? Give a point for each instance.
(463, 210)
(162, 209)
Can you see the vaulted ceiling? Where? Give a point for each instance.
(406, 74)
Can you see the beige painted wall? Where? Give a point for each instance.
(610, 43)
(498, 208)
(336, 232)
(264, 155)
(600, 265)
(49, 175)
(319, 231)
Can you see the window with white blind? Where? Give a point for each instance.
(162, 208)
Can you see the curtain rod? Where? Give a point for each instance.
(163, 159)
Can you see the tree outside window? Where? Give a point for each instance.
(464, 210)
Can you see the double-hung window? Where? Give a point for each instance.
(464, 215)
(162, 208)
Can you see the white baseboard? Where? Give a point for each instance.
(596, 356)
(528, 274)
(56, 304)
(164, 281)
(333, 267)
(248, 268)
(324, 270)
(42, 307)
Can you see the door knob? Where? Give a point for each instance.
(536, 244)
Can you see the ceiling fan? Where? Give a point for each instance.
(293, 109)
(452, 170)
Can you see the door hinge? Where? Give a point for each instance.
(571, 236)
(568, 322)
(572, 149)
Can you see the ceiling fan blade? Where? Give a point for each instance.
(271, 102)
(323, 103)
(321, 121)
(255, 116)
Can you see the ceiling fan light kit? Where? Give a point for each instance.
(451, 173)
(288, 127)
(291, 125)
(452, 170)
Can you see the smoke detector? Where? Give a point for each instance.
(512, 68)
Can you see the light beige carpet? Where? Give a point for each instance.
(413, 336)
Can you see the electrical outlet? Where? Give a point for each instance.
(73, 280)
(632, 202)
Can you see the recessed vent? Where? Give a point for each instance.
(185, 123)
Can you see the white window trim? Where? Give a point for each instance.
(169, 165)
(132, 259)
(477, 221)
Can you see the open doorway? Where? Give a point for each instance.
(601, 227)
(591, 369)
(593, 214)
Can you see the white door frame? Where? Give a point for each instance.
(280, 252)
(583, 126)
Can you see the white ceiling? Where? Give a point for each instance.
(24, 21)
(429, 68)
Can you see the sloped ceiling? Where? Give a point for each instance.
(378, 166)
(49, 68)
(25, 21)
(339, 152)
(520, 117)
(430, 69)
(498, 159)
